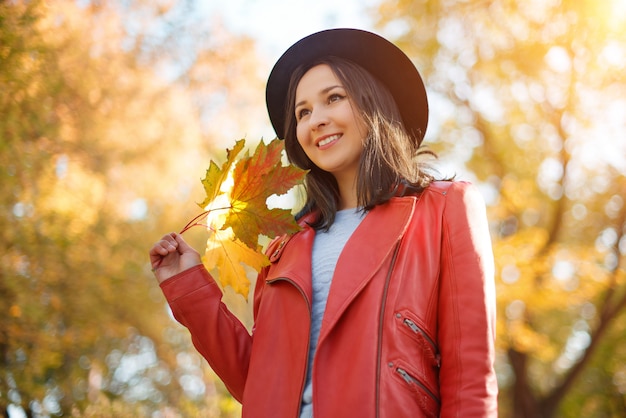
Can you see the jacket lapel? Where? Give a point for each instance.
(364, 254)
(295, 260)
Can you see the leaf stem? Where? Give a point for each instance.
(194, 221)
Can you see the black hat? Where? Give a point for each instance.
(378, 56)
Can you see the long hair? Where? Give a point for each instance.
(389, 160)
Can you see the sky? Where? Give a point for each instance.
(277, 24)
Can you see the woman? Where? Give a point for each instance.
(383, 304)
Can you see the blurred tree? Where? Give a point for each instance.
(104, 128)
(528, 100)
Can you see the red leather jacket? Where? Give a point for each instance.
(409, 325)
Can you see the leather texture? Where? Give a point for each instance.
(409, 325)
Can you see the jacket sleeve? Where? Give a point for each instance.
(467, 308)
(217, 334)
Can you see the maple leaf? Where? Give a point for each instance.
(236, 210)
(255, 179)
(227, 255)
(215, 176)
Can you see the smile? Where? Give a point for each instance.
(328, 140)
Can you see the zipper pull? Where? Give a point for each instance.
(404, 375)
(413, 326)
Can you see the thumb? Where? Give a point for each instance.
(183, 247)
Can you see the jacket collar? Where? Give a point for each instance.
(363, 255)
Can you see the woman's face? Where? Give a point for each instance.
(329, 127)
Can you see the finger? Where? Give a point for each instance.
(155, 261)
(162, 249)
(170, 239)
(182, 245)
(157, 253)
(168, 244)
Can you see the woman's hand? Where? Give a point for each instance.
(172, 255)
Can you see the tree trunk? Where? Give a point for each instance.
(524, 401)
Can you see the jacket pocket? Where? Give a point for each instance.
(429, 402)
(410, 326)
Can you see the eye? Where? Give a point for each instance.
(302, 113)
(335, 97)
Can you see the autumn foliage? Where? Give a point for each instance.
(237, 213)
(110, 111)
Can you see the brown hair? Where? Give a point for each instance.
(389, 159)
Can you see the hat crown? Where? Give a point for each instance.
(381, 58)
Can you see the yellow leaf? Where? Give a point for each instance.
(228, 255)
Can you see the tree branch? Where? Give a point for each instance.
(610, 310)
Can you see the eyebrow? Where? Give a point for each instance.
(324, 91)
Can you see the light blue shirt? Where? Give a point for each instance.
(326, 250)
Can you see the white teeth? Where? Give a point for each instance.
(328, 140)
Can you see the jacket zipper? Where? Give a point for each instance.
(411, 380)
(306, 363)
(380, 327)
(416, 329)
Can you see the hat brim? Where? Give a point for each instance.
(378, 56)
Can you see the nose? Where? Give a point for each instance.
(319, 117)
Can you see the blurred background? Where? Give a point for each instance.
(110, 112)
